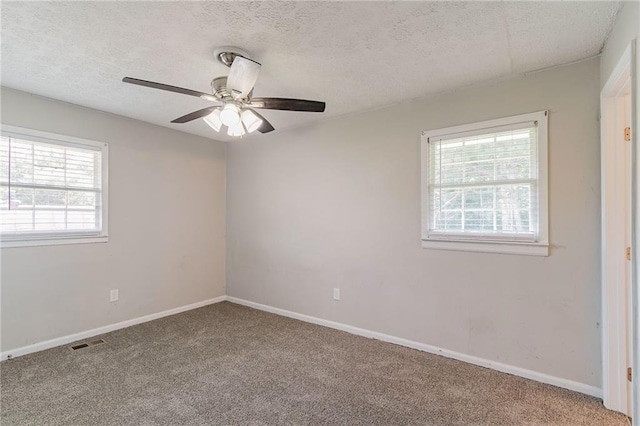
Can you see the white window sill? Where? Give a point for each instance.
(53, 241)
(525, 249)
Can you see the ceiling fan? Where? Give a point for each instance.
(234, 95)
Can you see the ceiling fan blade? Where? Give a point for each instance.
(242, 76)
(266, 127)
(194, 115)
(286, 104)
(169, 88)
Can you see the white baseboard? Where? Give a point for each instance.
(505, 368)
(36, 347)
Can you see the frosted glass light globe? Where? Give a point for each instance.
(251, 121)
(230, 115)
(213, 120)
(237, 130)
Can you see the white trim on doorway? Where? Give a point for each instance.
(618, 216)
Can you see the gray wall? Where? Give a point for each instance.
(166, 225)
(338, 205)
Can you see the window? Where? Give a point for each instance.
(53, 189)
(484, 186)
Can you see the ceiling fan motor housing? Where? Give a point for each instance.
(219, 90)
(219, 87)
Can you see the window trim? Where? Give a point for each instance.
(44, 239)
(540, 247)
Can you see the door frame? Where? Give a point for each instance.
(619, 195)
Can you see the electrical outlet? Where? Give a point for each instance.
(336, 294)
(113, 295)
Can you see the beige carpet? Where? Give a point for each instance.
(230, 365)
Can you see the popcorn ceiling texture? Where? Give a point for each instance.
(353, 55)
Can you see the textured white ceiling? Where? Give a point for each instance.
(353, 55)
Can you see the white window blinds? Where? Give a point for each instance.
(483, 184)
(49, 189)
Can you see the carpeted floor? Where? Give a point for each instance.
(226, 364)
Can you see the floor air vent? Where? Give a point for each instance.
(87, 344)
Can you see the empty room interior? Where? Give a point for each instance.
(319, 213)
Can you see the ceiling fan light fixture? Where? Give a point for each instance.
(230, 115)
(235, 106)
(237, 130)
(251, 121)
(213, 120)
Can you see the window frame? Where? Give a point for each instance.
(539, 247)
(56, 238)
